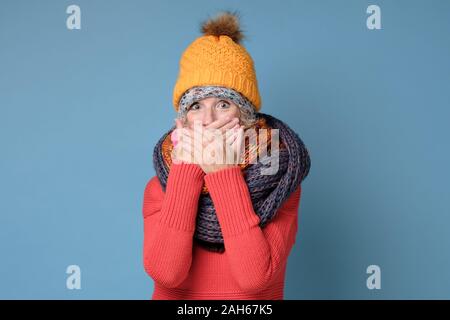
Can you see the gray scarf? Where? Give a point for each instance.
(268, 192)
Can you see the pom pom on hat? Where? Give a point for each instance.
(226, 24)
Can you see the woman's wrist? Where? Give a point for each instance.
(187, 168)
(215, 169)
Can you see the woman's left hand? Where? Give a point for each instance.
(231, 141)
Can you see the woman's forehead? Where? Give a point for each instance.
(212, 99)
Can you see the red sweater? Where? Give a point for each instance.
(254, 262)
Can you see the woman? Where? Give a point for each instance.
(221, 230)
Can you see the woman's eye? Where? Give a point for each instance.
(193, 106)
(224, 104)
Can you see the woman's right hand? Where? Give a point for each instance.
(182, 140)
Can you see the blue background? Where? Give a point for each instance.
(81, 111)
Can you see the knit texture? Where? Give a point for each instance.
(198, 93)
(268, 191)
(217, 60)
(254, 263)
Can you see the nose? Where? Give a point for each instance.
(208, 116)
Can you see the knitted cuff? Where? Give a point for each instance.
(183, 189)
(232, 201)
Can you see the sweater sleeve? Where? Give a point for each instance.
(169, 223)
(255, 254)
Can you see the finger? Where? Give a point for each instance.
(199, 132)
(183, 154)
(230, 142)
(179, 131)
(238, 148)
(174, 134)
(231, 137)
(191, 148)
(176, 156)
(232, 148)
(219, 123)
(233, 131)
(185, 135)
(205, 136)
(195, 141)
(238, 142)
(174, 138)
(173, 154)
(234, 123)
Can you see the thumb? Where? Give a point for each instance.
(178, 123)
(175, 133)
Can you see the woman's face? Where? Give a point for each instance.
(210, 109)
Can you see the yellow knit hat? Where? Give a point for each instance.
(218, 58)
